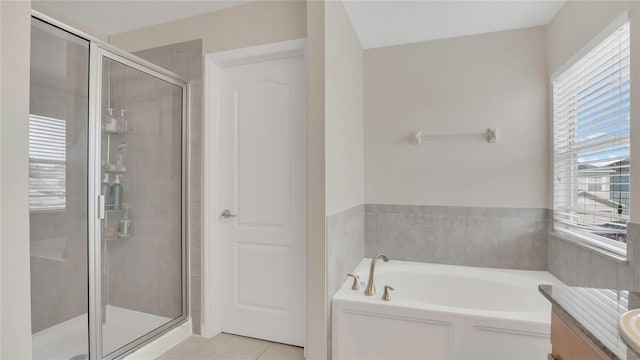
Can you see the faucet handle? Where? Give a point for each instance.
(356, 285)
(386, 296)
(381, 256)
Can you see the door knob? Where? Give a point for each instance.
(227, 214)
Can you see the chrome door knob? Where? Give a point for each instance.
(227, 214)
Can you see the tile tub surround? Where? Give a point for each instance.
(579, 266)
(345, 242)
(513, 238)
(186, 60)
(345, 250)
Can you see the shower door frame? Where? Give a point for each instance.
(98, 51)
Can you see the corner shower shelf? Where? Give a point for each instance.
(112, 235)
(109, 234)
(117, 132)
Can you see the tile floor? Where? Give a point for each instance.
(232, 347)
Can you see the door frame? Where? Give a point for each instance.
(212, 228)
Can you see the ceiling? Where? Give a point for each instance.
(386, 23)
(378, 23)
(114, 16)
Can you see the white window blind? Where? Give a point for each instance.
(598, 310)
(47, 163)
(591, 144)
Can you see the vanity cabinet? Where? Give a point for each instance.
(570, 343)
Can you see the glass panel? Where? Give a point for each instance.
(58, 158)
(142, 184)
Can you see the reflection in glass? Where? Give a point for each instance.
(58, 135)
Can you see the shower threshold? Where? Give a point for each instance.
(69, 339)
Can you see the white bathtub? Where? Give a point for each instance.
(443, 312)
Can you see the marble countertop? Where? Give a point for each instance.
(596, 313)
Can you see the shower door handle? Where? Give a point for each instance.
(101, 207)
(227, 214)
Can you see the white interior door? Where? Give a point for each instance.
(263, 179)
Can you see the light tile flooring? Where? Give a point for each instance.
(232, 347)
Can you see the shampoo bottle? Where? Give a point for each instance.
(122, 121)
(122, 154)
(106, 191)
(116, 194)
(111, 123)
(124, 226)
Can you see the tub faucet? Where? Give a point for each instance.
(371, 288)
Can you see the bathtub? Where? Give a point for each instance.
(443, 312)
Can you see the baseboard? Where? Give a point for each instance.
(210, 331)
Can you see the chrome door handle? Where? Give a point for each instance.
(227, 214)
(101, 207)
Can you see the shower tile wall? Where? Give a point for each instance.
(59, 238)
(185, 59)
(144, 271)
(512, 238)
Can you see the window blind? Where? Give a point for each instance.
(592, 143)
(598, 310)
(47, 163)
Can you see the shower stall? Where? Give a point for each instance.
(107, 197)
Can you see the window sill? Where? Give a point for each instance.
(621, 259)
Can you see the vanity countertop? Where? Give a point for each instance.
(596, 313)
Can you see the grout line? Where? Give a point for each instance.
(264, 351)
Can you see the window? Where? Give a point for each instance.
(591, 143)
(47, 163)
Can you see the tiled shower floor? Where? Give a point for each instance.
(231, 347)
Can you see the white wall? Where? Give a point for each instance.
(252, 24)
(571, 29)
(344, 149)
(335, 149)
(459, 85)
(15, 310)
(316, 336)
(343, 111)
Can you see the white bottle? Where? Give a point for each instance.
(122, 154)
(111, 123)
(122, 121)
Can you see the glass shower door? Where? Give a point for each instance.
(142, 271)
(106, 197)
(58, 192)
